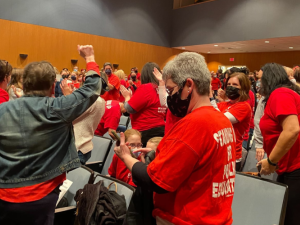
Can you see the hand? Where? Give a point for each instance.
(266, 168)
(122, 151)
(259, 154)
(157, 74)
(111, 134)
(66, 90)
(17, 91)
(143, 152)
(130, 82)
(221, 93)
(126, 94)
(87, 52)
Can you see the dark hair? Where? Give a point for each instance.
(233, 70)
(245, 85)
(16, 76)
(274, 76)
(147, 75)
(297, 75)
(244, 70)
(107, 64)
(38, 78)
(5, 69)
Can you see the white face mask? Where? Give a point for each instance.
(293, 81)
(136, 154)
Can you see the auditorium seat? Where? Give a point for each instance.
(258, 201)
(124, 121)
(250, 164)
(100, 151)
(122, 187)
(108, 159)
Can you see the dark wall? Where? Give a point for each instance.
(235, 20)
(144, 21)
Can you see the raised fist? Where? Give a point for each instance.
(87, 52)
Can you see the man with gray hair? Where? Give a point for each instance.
(187, 174)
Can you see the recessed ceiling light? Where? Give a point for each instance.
(183, 47)
(267, 42)
(291, 47)
(208, 52)
(216, 45)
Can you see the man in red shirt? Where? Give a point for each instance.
(216, 84)
(5, 74)
(113, 84)
(111, 118)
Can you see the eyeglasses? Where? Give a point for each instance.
(136, 145)
(170, 91)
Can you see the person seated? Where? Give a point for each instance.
(117, 168)
(37, 144)
(15, 82)
(111, 118)
(5, 75)
(149, 151)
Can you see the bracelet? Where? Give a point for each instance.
(271, 163)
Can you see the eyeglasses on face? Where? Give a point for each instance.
(136, 145)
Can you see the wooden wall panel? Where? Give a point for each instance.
(254, 61)
(59, 47)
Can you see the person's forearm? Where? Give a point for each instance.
(110, 87)
(129, 162)
(284, 143)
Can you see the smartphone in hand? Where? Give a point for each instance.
(117, 138)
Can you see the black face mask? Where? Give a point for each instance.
(133, 78)
(64, 76)
(177, 106)
(232, 92)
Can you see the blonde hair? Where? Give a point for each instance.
(16, 76)
(131, 132)
(120, 74)
(76, 72)
(155, 140)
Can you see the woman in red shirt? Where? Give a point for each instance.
(121, 75)
(280, 129)
(188, 177)
(74, 77)
(5, 75)
(113, 84)
(133, 83)
(144, 106)
(237, 109)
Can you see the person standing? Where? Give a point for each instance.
(216, 84)
(113, 84)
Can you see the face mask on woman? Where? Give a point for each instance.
(177, 106)
(73, 78)
(108, 72)
(232, 92)
(293, 80)
(133, 78)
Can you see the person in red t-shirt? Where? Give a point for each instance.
(121, 75)
(237, 109)
(117, 168)
(146, 113)
(135, 70)
(5, 75)
(280, 130)
(216, 84)
(113, 84)
(188, 178)
(75, 83)
(249, 132)
(111, 118)
(133, 83)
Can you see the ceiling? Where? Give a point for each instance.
(274, 45)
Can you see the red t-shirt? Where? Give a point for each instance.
(76, 85)
(216, 84)
(242, 112)
(137, 83)
(119, 171)
(110, 119)
(138, 76)
(197, 167)
(282, 102)
(115, 93)
(3, 96)
(145, 102)
(31, 193)
(170, 121)
(251, 102)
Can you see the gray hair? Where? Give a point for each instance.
(189, 65)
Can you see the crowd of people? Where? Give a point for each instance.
(189, 127)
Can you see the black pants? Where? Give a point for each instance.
(238, 166)
(154, 132)
(39, 212)
(292, 179)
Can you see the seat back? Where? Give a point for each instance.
(100, 151)
(79, 177)
(108, 159)
(124, 121)
(122, 187)
(258, 201)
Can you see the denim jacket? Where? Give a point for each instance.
(36, 135)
